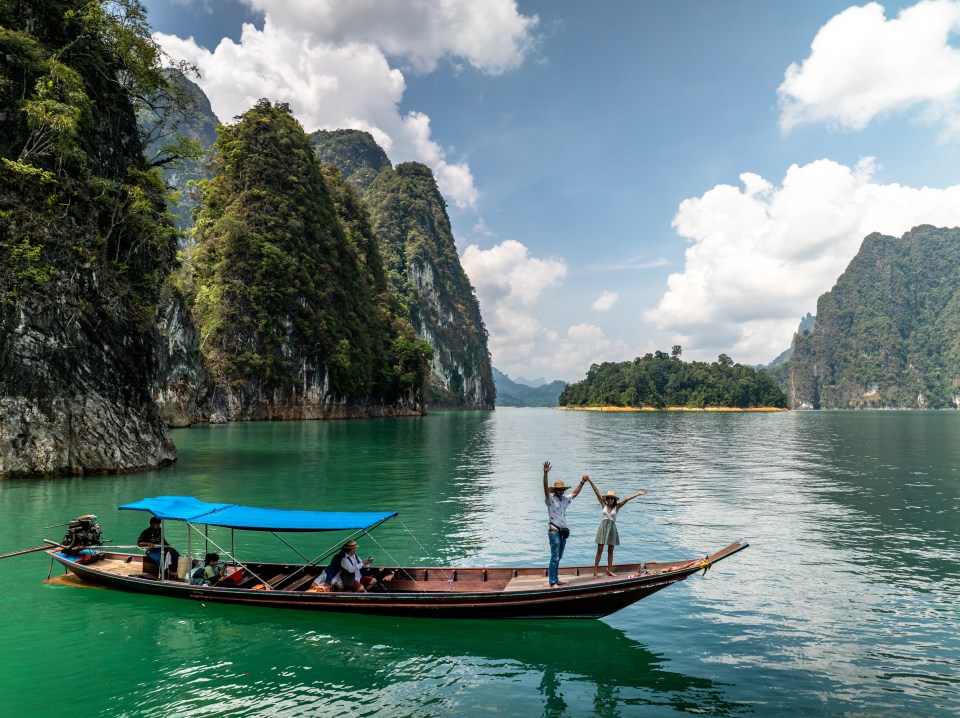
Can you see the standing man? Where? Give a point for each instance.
(557, 530)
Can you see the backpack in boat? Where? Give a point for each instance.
(195, 576)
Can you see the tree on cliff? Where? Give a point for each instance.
(85, 241)
(276, 279)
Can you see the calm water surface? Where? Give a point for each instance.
(846, 603)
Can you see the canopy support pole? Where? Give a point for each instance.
(163, 558)
(292, 548)
(229, 555)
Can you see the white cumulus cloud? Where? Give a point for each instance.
(491, 36)
(329, 61)
(862, 65)
(760, 255)
(510, 284)
(605, 302)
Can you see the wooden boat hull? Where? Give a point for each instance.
(470, 593)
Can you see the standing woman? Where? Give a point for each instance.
(607, 534)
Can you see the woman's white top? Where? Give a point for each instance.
(609, 512)
(351, 564)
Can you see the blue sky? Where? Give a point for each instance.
(623, 176)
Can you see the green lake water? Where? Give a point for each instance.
(847, 602)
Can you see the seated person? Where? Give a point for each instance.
(150, 539)
(380, 575)
(213, 569)
(351, 569)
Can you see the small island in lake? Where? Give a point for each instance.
(661, 381)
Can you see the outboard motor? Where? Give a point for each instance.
(83, 531)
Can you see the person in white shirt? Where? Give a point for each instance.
(351, 568)
(557, 531)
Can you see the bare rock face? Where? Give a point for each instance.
(410, 218)
(185, 393)
(73, 396)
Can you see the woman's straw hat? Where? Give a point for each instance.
(350, 544)
(611, 495)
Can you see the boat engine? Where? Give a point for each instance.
(83, 531)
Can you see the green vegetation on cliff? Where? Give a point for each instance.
(411, 222)
(423, 266)
(354, 152)
(660, 380)
(85, 240)
(888, 334)
(75, 191)
(276, 277)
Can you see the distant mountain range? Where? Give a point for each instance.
(516, 393)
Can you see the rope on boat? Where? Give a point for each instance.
(389, 555)
(424, 549)
(228, 554)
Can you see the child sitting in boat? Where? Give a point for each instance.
(607, 534)
(213, 569)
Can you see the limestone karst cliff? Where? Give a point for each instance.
(84, 242)
(888, 334)
(287, 290)
(409, 216)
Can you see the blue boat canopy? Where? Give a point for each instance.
(195, 511)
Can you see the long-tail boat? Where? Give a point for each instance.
(441, 592)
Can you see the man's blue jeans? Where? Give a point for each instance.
(557, 545)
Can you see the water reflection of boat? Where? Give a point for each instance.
(434, 592)
(375, 657)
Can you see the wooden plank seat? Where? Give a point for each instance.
(299, 582)
(272, 583)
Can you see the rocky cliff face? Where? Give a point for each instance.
(410, 218)
(286, 289)
(72, 393)
(186, 393)
(888, 334)
(84, 245)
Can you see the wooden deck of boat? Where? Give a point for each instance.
(535, 583)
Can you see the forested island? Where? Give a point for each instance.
(661, 381)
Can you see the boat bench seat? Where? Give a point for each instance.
(300, 583)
